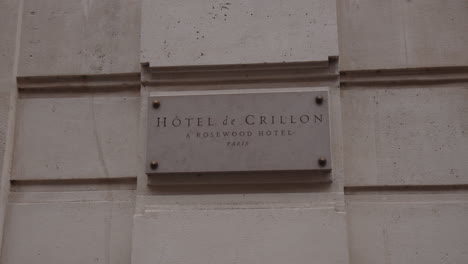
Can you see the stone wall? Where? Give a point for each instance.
(74, 81)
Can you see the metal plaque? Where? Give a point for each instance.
(238, 130)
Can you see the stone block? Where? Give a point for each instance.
(77, 136)
(436, 33)
(370, 34)
(202, 32)
(4, 110)
(268, 235)
(79, 37)
(405, 136)
(383, 34)
(68, 232)
(9, 10)
(411, 228)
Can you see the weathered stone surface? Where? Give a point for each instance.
(282, 235)
(79, 37)
(411, 135)
(4, 108)
(380, 34)
(68, 232)
(416, 228)
(9, 10)
(77, 136)
(405, 136)
(202, 32)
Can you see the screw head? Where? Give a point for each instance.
(156, 104)
(154, 164)
(322, 162)
(319, 99)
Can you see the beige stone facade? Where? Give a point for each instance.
(75, 77)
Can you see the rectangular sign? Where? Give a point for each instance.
(238, 130)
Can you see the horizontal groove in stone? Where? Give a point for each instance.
(177, 81)
(57, 185)
(243, 67)
(234, 74)
(105, 81)
(405, 189)
(404, 76)
(72, 196)
(258, 179)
